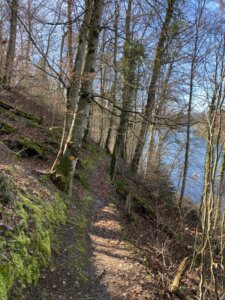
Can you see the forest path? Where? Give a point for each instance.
(93, 262)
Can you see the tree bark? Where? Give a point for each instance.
(192, 77)
(75, 83)
(10, 55)
(128, 81)
(114, 87)
(70, 37)
(152, 87)
(88, 74)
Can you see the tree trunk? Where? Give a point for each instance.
(192, 76)
(28, 47)
(128, 81)
(152, 87)
(10, 55)
(103, 74)
(76, 77)
(75, 82)
(114, 87)
(70, 37)
(89, 73)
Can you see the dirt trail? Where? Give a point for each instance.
(93, 262)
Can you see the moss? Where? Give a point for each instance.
(45, 178)
(64, 166)
(7, 193)
(5, 128)
(25, 147)
(63, 170)
(20, 113)
(95, 152)
(34, 124)
(84, 181)
(8, 114)
(34, 146)
(27, 247)
(87, 163)
(122, 186)
(80, 250)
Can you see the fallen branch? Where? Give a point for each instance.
(180, 274)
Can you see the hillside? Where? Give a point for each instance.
(121, 241)
(112, 149)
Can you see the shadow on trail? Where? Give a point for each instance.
(72, 274)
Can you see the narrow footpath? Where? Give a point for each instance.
(92, 260)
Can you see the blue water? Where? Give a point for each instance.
(173, 158)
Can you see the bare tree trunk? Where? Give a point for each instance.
(61, 54)
(1, 51)
(76, 78)
(187, 146)
(103, 72)
(28, 48)
(131, 53)
(70, 37)
(208, 196)
(75, 82)
(192, 76)
(89, 73)
(218, 204)
(12, 42)
(114, 88)
(152, 87)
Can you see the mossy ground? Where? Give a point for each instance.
(6, 128)
(71, 269)
(27, 232)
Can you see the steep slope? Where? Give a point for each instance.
(122, 241)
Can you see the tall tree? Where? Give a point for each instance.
(89, 73)
(132, 53)
(70, 36)
(197, 25)
(114, 85)
(10, 55)
(153, 83)
(75, 82)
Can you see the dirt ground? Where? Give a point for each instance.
(99, 265)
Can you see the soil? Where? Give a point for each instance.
(110, 270)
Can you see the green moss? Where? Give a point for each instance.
(20, 113)
(63, 170)
(80, 249)
(64, 166)
(7, 193)
(27, 247)
(45, 178)
(122, 186)
(8, 114)
(87, 163)
(95, 152)
(5, 128)
(84, 181)
(36, 147)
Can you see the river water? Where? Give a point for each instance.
(173, 158)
